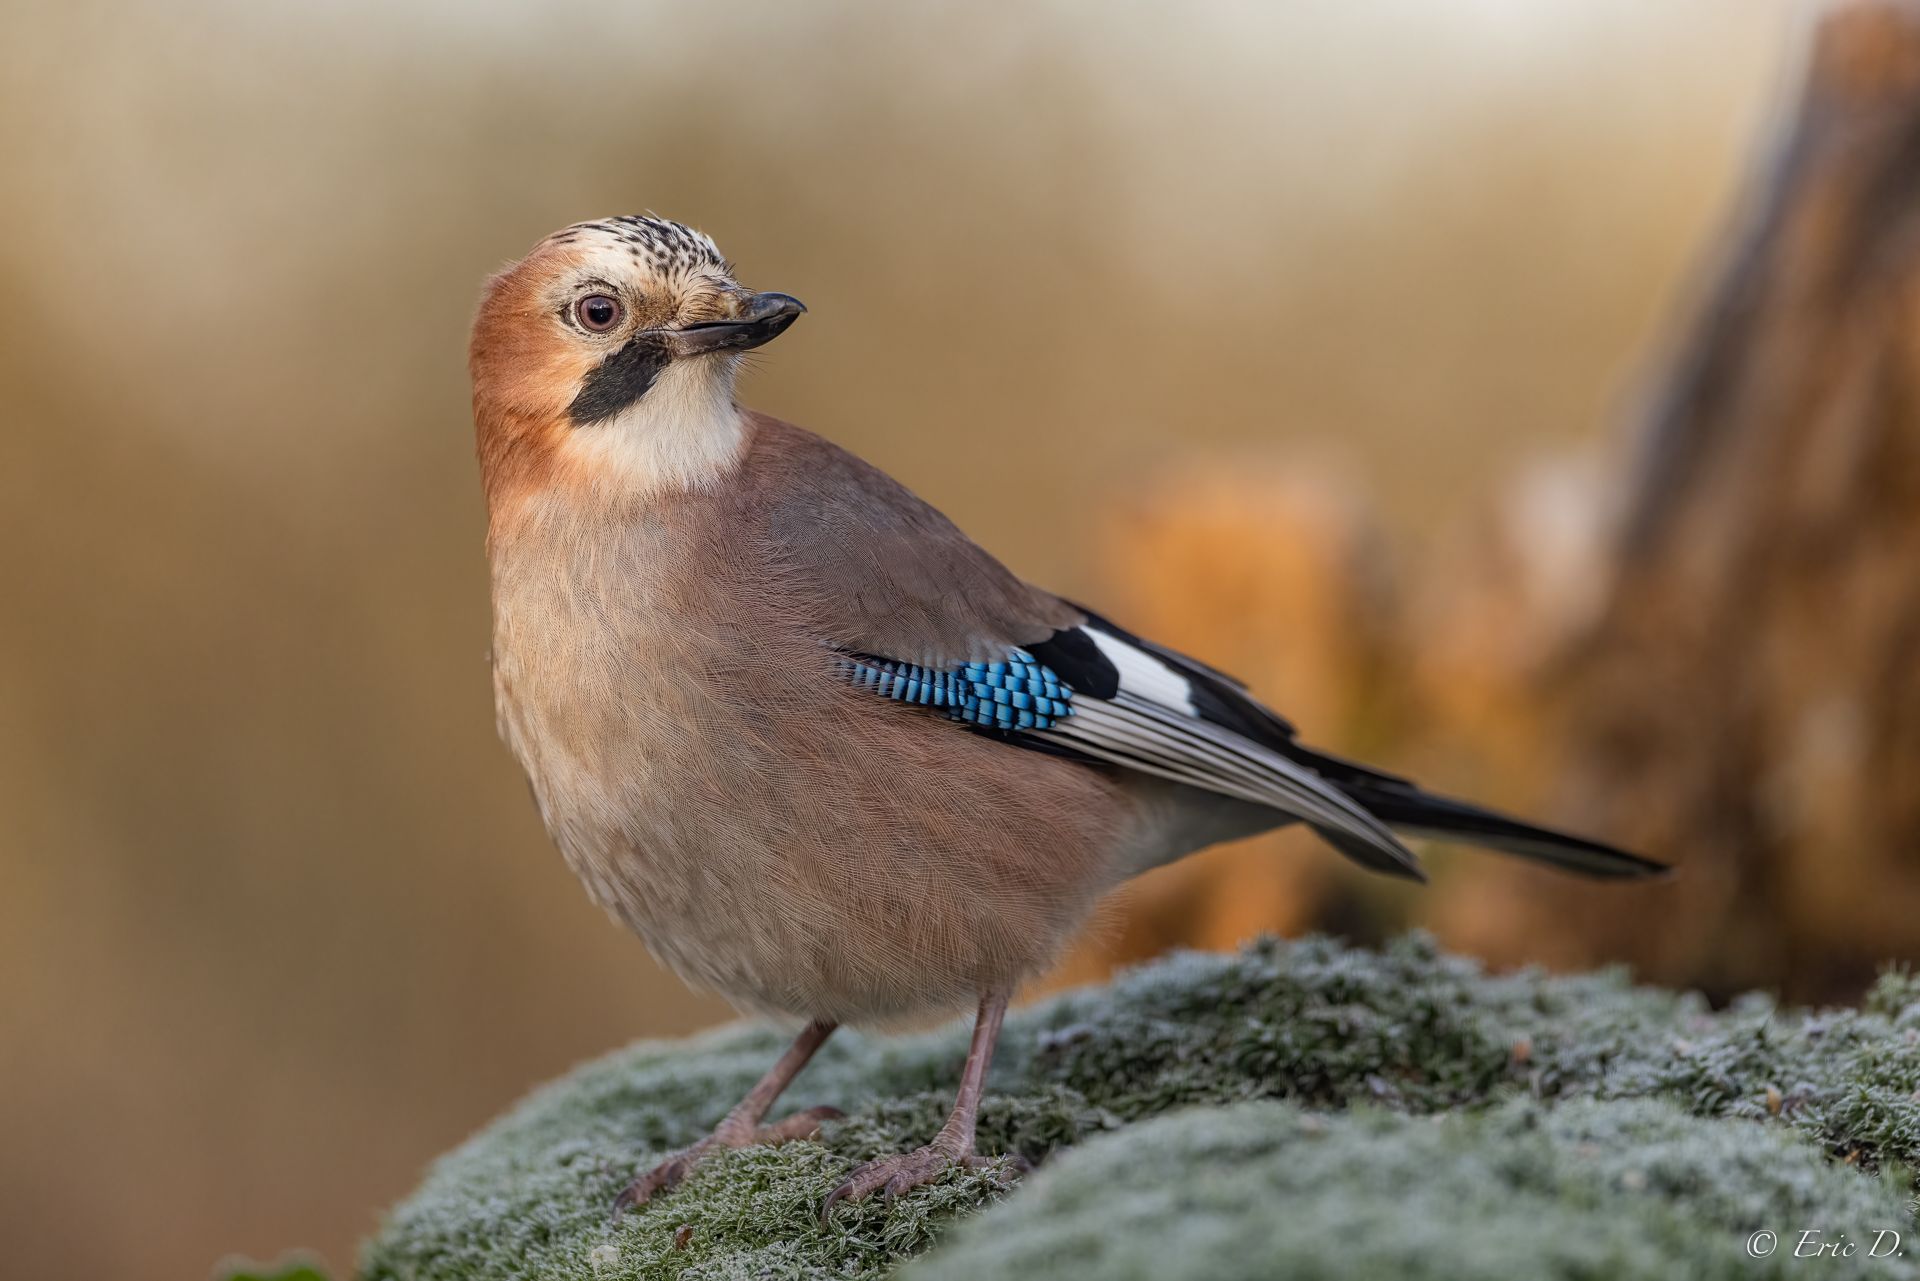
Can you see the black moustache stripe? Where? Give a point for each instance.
(621, 379)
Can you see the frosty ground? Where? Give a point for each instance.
(1297, 1110)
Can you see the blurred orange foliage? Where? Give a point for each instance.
(1711, 655)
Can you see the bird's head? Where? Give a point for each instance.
(607, 357)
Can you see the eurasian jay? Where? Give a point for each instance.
(823, 754)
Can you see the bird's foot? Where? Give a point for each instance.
(663, 1177)
(893, 1175)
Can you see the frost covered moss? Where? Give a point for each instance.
(1621, 1189)
(1407, 1032)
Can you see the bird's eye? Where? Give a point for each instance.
(598, 313)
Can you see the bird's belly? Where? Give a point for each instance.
(794, 844)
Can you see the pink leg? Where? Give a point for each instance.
(741, 1127)
(953, 1145)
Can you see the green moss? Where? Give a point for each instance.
(294, 1267)
(1405, 1032)
(1620, 1189)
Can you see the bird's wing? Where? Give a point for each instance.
(923, 614)
(1150, 709)
(881, 570)
(1089, 691)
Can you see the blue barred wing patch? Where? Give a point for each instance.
(1020, 693)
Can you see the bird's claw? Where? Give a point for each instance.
(665, 1176)
(662, 1177)
(894, 1175)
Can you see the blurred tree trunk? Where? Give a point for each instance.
(1747, 703)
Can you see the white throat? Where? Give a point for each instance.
(685, 433)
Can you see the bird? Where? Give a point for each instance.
(823, 753)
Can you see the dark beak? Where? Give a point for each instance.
(763, 319)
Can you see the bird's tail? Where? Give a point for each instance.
(1404, 807)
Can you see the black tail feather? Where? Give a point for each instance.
(1404, 806)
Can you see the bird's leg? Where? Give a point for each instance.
(953, 1145)
(741, 1127)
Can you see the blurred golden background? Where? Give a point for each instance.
(1297, 311)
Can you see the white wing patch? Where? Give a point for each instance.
(1144, 675)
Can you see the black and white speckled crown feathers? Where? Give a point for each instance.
(666, 245)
